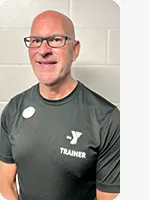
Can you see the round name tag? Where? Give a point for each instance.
(28, 112)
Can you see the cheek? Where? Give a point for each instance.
(67, 56)
(64, 53)
(31, 54)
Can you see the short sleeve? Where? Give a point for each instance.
(5, 145)
(108, 161)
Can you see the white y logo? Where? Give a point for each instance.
(76, 136)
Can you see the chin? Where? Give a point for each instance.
(52, 80)
(49, 82)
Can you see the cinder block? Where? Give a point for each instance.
(102, 79)
(13, 49)
(14, 80)
(20, 13)
(93, 45)
(113, 47)
(95, 13)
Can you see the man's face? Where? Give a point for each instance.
(51, 65)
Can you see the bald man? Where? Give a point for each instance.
(61, 138)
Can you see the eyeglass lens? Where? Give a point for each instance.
(56, 41)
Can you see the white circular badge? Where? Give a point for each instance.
(28, 112)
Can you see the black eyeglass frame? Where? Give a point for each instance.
(46, 38)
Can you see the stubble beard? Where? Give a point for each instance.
(58, 80)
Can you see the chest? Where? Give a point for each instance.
(53, 138)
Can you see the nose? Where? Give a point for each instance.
(45, 49)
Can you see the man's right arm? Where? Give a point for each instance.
(8, 187)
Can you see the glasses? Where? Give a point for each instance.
(52, 41)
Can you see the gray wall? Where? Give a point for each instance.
(97, 27)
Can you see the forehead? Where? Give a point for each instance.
(47, 27)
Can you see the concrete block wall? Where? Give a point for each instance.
(97, 27)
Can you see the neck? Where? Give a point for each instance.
(58, 90)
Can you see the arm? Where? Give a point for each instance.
(108, 162)
(105, 196)
(8, 187)
(8, 170)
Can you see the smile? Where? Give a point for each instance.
(47, 63)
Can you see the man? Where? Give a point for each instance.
(61, 138)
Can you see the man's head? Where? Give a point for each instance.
(52, 63)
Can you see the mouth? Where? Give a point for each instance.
(47, 64)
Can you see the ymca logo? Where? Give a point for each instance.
(75, 136)
(73, 140)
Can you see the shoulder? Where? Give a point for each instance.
(15, 103)
(102, 106)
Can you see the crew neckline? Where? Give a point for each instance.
(63, 100)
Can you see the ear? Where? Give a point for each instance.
(76, 50)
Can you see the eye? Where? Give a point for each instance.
(55, 39)
(58, 39)
(35, 40)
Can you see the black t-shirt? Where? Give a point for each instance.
(64, 149)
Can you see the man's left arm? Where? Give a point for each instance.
(108, 161)
(105, 195)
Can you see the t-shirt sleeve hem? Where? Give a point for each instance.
(6, 159)
(108, 188)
